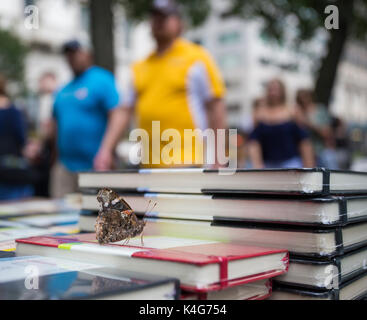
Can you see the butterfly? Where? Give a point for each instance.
(116, 219)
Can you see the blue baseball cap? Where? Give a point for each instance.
(71, 46)
(165, 7)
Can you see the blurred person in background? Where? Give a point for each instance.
(86, 122)
(47, 86)
(277, 141)
(41, 149)
(258, 109)
(342, 143)
(15, 175)
(249, 123)
(240, 141)
(178, 84)
(317, 120)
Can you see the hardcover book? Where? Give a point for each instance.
(60, 279)
(354, 289)
(298, 240)
(31, 207)
(49, 220)
(269, 181)
(329, 211)
(320, 274)
(258, 290)
(9, 232)
(7, 246)
(200, 265)
(6, 254)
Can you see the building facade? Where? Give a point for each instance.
(246, 59)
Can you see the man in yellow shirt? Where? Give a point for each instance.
(176, 87)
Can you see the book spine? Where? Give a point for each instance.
(336, 294)
(223, 271)
(202, 296)
(337, 264)
(286, 261)
(339, 241)
(325, 182)
(343, 211)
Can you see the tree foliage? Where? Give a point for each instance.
(310, 14)
(101, 31)
(308, 17)
(196, 11)
(12, 56)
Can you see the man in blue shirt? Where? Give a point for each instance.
(87, 120)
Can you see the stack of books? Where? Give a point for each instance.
(206, 269)
(21, 219)
(319, 216)
(55, 278)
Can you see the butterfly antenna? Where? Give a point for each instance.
(151, 209)
(142, 239)
(149, 202)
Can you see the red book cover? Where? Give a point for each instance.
(186, 295)
(48, 241)
(185, 251)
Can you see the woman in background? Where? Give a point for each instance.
(277, 141)
(318, 121)
(13, 168)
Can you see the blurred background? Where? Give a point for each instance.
(252, 43)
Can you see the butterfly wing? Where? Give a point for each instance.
(121, 204)
(110, 199)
